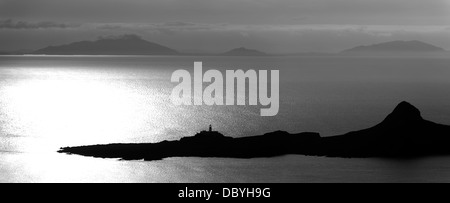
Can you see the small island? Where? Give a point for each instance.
(128, 44)
(403, 133)
(396, 47)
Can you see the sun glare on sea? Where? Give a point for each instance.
(45, 108)
(71, 112)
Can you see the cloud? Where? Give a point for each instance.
(10, 24)
(182, 27)
(405, 12)
(116, 37)
(179, 24)
(218, 37)
(158, 27)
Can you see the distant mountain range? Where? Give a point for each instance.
(131, 44)
(396, 47)
(122, 45)
(128, 45)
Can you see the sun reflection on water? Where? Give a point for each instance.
(61, 111)
(43, 109)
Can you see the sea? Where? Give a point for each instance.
(48, 102)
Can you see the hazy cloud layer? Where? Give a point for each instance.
(372, 12)
(198, 37)
(10, 24)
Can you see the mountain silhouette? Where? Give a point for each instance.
(114, 45)
(397, 47)
(242, 51)
(403, 133)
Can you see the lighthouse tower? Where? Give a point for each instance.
(208, 136)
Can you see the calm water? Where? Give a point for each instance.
(50, 102)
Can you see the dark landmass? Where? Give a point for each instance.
(242, 51)
(203, 144)
(403, 133)
(396, 47)
(118, 45)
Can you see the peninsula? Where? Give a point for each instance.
(403, 133)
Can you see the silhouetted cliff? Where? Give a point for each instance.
(403, 133)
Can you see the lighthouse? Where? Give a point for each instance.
(209, 135)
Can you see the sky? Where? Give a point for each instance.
(273, 26)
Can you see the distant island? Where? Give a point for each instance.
(131, 44)
(403, 133)
(242, 51)
(128, 44)
(413, 46)
(115, 45)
